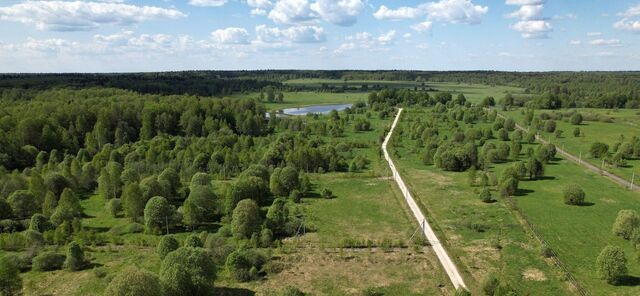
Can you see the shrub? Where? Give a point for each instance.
(23, 203)
(47, 261)
(295, 196)
(133, 281)
(599, 150)
(626, 222)
(485, 195)
(550, 126)
(193, 241)
(167, 245)
(462, 292)
(240, 262)
(75, 257)
(188, 271)
(576, 119)
(576, 132)
(326, 193)
(10, 281)
(612, 264)
(114, 206)
(39, 223)
(573, 195)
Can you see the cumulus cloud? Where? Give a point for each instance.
(535, 29)
(593, 34)
(531, 24)
(296, 34)
(422, 27)
(208, 3)
(449, 11)
(340, 12)
(630, 20)
(575, 42)
(384, 13)
(230, 35)
(82, 16)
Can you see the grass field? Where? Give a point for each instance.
(577, 234)
(626, 123)
(452, 206)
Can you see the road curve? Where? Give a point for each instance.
(445, 260)
(587, 165)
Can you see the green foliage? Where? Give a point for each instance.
(39, 223)
(612, 264)
(626, 223)
(68, 208)
(246, 219)
(326, 193)
(188, 271)
(576, 119)
(599, 150)
(23, 203)
(193, 241)
(47, 261)
(550, 126)
(10, 280)
(167, 245)
(240, 262)
(290, 291)
(277, 216)
(49, 205)
(5, 209)
(283, 180)
(134, 282)
(199, 207)
(75, 257)
(485, 195)
(490, 285)
(573, 195)
(114, 207)
(133, 201)
(250, 187)
(158, 213)
(546, 152)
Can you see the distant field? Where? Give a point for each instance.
(625, 123)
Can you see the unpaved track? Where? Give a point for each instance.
(445, 260)
(587, 165)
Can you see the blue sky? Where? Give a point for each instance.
(125, 36)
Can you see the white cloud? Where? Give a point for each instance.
(340, 12)
(292, 11)
(296, 34)
(207, 3)
(606, 42)
(384, 13)
(449, 11)
(527, 12)
(455, 11)
(536, 29)
(575, 42)
(81, 16)
(422, 27)
(423, 46)
(365, 40)
(387, 38)
(258, 11)
(259, 3)
(531, 24)
(594, 34)
(230, 35)
(630, 20)
(406, 35)
(628, 25)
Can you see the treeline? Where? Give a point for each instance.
(202, 83)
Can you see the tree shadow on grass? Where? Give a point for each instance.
(586, 204)
(224, 291)
(629, 281)
(523, 192)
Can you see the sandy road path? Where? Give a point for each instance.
(445, 260)
(587, 165)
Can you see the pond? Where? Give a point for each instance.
(320, 109)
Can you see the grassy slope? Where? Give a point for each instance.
(626, 122)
